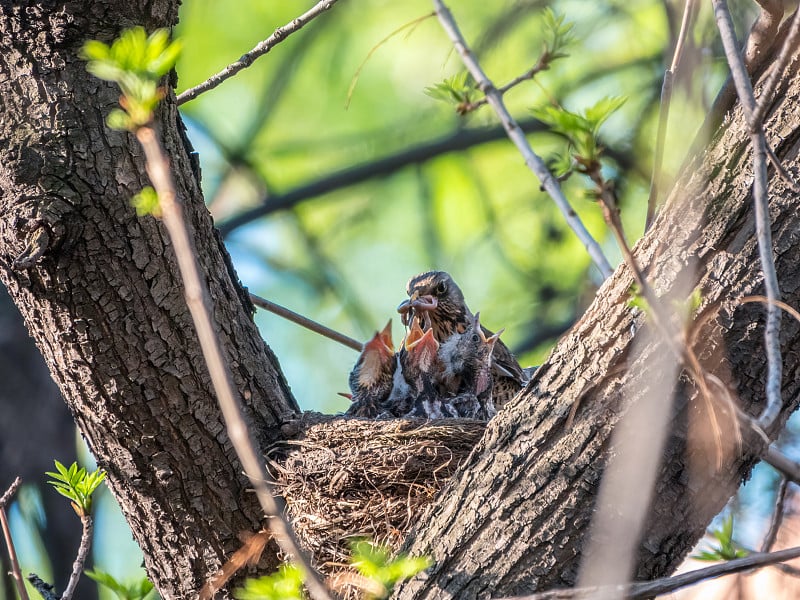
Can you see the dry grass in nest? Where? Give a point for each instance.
(345, 478)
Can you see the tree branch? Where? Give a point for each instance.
(16, 574)
(744, 90)
(80, 558)
(458, 140)
(777, 516)
(260, 49)
(788, 50)
(306, 322)
(532, 160)
(663, 113)
(197, 300)
(648, 589)
(782, 463)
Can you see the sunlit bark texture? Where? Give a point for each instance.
(98, 289)
(99, 292)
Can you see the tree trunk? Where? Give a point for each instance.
(516, 518)
(100, 293)
(98, 289)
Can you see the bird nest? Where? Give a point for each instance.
(346, 478)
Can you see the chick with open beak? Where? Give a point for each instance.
(372, 377)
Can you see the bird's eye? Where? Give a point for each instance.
(475, 337)
(441, 289)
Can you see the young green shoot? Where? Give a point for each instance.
(136, 62)
(726, 549)
(140, 589)
(76, 484)
(285, 584)
(375, 563)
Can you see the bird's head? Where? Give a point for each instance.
(435, 298)
(377, 357)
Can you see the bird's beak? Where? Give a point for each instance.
(345, 395)
(378, 344)
(414, 334)
(491, 339)
(425, 341)
(386, 337)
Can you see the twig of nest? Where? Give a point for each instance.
(346, 478)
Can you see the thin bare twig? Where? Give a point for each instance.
(541, 65)
(782, 172)
(80, 559)
(782, 463)
(795, 314)
(648, 589)
(9, 493)
(744, 90)
(532, 160)
(777, 516)
(16, 573)
(663, 112)
(354, 81)
(306, 322)
(197, 301)
(260, 49)
(788, 50)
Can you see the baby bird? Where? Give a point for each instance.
(372, 378)
(436, 299)
(417, 362)
(422, 369)
(466, 381)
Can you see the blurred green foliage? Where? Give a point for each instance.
(139, 589)
(342, 256)
(725, 548)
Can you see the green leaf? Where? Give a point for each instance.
(285, 584)
(118, 119)
(146, 203)
(596, 115)
(136, 62)
(557, 34)
(376, 564)
(727, 549)
(104, 69)
(454, 90)
(136, 590)
(579, 130)
(637, 300)
(94, 50)
(76, 484)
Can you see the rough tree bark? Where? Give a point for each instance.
(516, 519)
(99, 292)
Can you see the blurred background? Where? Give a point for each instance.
(335, 178)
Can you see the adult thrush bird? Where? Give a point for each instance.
(372, 378)
(436, 299)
